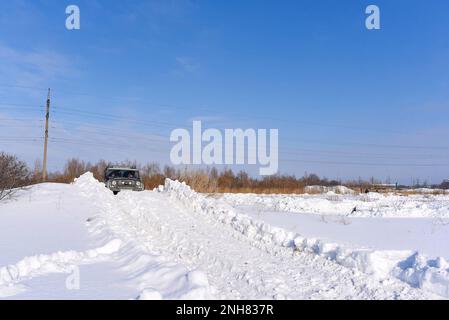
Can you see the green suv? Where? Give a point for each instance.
(118, 179)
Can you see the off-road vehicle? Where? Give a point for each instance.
(118, 179)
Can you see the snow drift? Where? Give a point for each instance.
(324, 189)
(174, 280)
(409, 266)
(59, 262)
(174, 243)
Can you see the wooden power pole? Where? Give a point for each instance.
(47, 116)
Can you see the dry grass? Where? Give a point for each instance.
(260, 190)
(210, 180)
(417, 192)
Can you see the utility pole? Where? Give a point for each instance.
(47, 116)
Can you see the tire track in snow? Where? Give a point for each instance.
(238, 268)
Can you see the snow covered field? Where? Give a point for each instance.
(369, 205)
(416, 222)
(406, 236)
(79, 241)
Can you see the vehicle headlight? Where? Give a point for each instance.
(114, 183)
(138, 183)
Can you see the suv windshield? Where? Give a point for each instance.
(127, 174)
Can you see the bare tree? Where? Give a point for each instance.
(74, 168)
(150, 169)
(98, 169)
(36, 175)
(14, 174)
(170, 172)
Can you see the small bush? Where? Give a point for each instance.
(14, 174)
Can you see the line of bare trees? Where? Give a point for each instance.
(203, 180)
(15, 174)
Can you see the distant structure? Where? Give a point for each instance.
(445, 184)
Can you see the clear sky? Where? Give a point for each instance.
(348, 101)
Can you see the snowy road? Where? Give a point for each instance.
(237, 269)
(155, 245)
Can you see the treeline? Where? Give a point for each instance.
(15, 173)
(202, 180)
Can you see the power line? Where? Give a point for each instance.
(20, 126)
(72, 111)
(112, 134)
(209, 109)
(19, 119)
(171, 124)
(296, 151)
(253, 116)
(320, 142)
(127, 146)
(375, 145)
(369, 164)
(116, 146)
(108, 116)
(302, 152)
(345, 143)
(125, 119)
(14, 139)
(97, 144)
(22, 142)
(22, 87)
(19, 106)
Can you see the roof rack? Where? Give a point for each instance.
(122, 168)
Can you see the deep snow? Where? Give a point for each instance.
(426, 235)
(403, 236)
(369, 205)
(50, 232)
(173, 243)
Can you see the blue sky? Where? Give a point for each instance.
(348, 101)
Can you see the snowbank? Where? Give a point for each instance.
(156, 277)
(59, 262)
(409, 266)
(255, 230)
(428, 274)
(324, 189)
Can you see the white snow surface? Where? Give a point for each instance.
(369, 205)
(324, 189)
(174, 243)
(372, 243)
